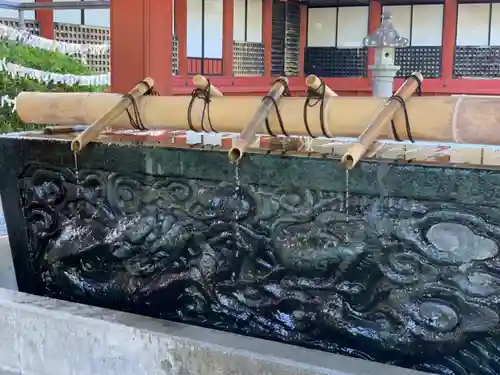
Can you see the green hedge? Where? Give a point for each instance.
(36, 59)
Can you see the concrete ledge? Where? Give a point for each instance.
(7, 274)
(45, 336)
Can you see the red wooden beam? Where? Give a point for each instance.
(45, 18)
(448, 41)
(141, 36)
(267, 34)
(343, 86)
(180, 25)
(227, 36)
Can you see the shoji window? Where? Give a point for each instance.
(335, 41)
(477, 51)
(247, 21)
(473, 24)
(337, 27)
(421, 24)
(478, 24)
(204, 36)
(352, 26)
(322, 27)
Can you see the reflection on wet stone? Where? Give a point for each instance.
(460, 242)
(438, 317)
(407, 282)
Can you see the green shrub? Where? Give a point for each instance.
(36, 59)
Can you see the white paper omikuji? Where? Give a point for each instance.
(29, 39)
(15, 70)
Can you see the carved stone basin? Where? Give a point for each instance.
(405, 271)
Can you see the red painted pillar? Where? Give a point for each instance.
(45, 18)
(180, 21)
(267, 34)
(303, 38)
(449, 40)
(227, 37)
(374, 20)
(141, 44)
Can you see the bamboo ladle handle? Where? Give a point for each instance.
(248, 135)
(92, 132)
(382, 120)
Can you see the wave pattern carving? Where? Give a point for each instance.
(412, 283)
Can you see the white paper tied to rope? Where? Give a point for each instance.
(5, 100)
(15, 70)
(31, 40)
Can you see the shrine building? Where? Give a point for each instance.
(242, 44)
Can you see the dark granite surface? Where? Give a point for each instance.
(404, 269)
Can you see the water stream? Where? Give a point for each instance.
(237, 230)
(77, 171)
(346, 196)
(237, 176)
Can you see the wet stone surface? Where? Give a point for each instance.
(405, 279)
(284, 264)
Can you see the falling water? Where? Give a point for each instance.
(77, 172)
(346, 203)
(346, 196)
(237, 231)
(77, 175)
(237, 176)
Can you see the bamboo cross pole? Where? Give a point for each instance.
(92, 132)
(381, 121)
(248, 135)
(444, 119)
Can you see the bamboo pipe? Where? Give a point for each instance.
(93, 131)
(64, 129)
(201, 83)
(450, 119)
(383, 118)
(248, 135)
(314, 83)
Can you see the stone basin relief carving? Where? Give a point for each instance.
(411, 283)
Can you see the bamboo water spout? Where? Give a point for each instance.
(64, 129)
(93, 131)
(248, 135)
(381, 121)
